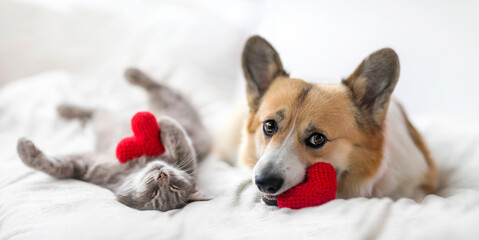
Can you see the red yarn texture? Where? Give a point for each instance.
(319, 187)
(145, 140)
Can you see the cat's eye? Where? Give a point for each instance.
(270, 127)
(155, 193)
(174, 187)
(316, 140)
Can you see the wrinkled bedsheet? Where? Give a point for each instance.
(36, 206)
(77, 55)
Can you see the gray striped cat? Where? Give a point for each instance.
(146, 183)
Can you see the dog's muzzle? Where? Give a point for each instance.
(269, 184)
(270, 200)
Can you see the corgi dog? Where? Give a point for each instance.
(355, 126)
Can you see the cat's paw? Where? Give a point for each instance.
(68, 111)
(170, 126)
(137, 77)
(177, 142)
(28, 152)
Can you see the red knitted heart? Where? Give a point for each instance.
(319, 187)
(145, 141)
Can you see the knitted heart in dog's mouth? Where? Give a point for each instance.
(145, 140)
(319, 187)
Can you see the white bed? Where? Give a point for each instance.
(89, 72)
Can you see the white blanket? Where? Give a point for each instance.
(36, 206)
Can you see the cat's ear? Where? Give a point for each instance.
(198, 196)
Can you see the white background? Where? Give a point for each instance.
(321, 41)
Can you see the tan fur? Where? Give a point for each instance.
(430, 181)
(330, 108)
(352, 115)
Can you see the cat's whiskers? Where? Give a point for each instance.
(185, 162)
(193, 170)
(191, 158)
(196, 168)
(150, 180)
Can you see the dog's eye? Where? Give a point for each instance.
(270, 127)
(316, 140)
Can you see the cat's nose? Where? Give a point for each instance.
(162, 175)
(268, 183)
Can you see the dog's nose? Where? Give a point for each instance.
(268, 183)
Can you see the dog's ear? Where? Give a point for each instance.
(372, 84)
(261, 65)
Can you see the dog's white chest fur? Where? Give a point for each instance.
(403, 166)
